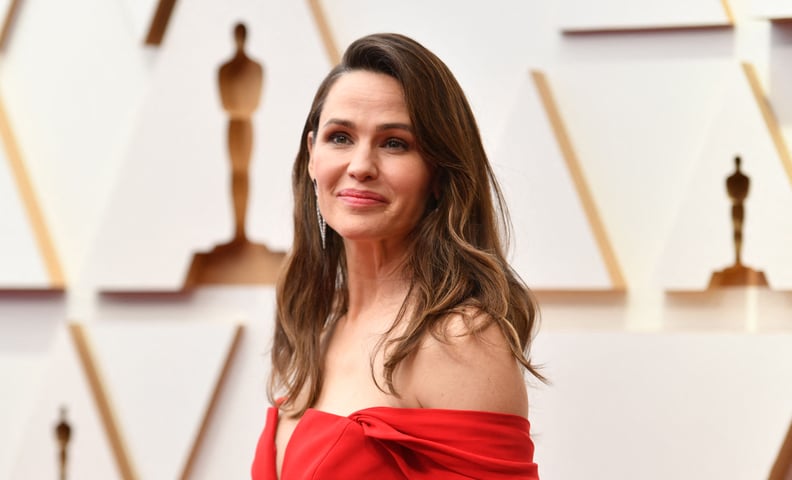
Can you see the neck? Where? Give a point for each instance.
(376, 277)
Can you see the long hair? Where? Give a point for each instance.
(456, 262)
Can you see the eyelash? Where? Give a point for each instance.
(339, 138)
(400, 144)
(335, 137)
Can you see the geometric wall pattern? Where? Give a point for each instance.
(174, 121)
(146, 374)
(620, 157)
(23, 264)
(65, 386)
(701, 239)
(26, 253)
(178, 154)
(117, 383)
(558, 248)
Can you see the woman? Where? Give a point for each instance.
(401, 331)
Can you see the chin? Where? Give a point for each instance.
(366, 234)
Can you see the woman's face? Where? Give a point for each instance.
(372, 182)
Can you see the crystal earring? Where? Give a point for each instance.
(322, 223)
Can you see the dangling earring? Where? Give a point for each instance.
(322, 223)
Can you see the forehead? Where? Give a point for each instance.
(362, 92)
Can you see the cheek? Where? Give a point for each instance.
(321, 169)
(420, 190)
(424, 180)
(325, 162)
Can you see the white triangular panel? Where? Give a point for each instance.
(241, 412)
(631, 14)
(771, 8)
(637, 129)
(700, 241)
(140, 13)
(89, 452)
(172, 197)
(553, 246)
(22, 264)
(149, 369)
(20, 376)
(778, 74)
(27, 330)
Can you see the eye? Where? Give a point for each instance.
(339, 138)
(396, 144)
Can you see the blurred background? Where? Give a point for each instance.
(612, 125)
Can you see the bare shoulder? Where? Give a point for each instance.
(470, 367)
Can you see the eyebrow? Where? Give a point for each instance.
(380, 128)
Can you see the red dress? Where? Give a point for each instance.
(385, 443)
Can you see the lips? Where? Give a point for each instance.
(360, 197)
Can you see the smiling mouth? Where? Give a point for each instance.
(361, 197)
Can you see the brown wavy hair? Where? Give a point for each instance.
(456, 260)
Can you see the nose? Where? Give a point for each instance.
(363, 164)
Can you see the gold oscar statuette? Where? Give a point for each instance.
(737, 275)
(240, 261)
(63, 433)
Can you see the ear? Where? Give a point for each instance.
(309, 139)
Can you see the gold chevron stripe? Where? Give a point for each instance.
(782, 468)
(325, 32)
(771, 121)
(5, 23)
(40, 232)
(196, 446)
(728, 11)
(573, 165)
(159, 23)
(106, 412)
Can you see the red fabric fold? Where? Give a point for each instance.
(401, 443)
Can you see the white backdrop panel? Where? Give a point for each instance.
(240, 412)
(72, 76)
(658, 406)
(553, 246)
(626, 14)
(241, 409)
(149, 371)
(140, 15)
(27, 328)
(22, 264)
(771, 8)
